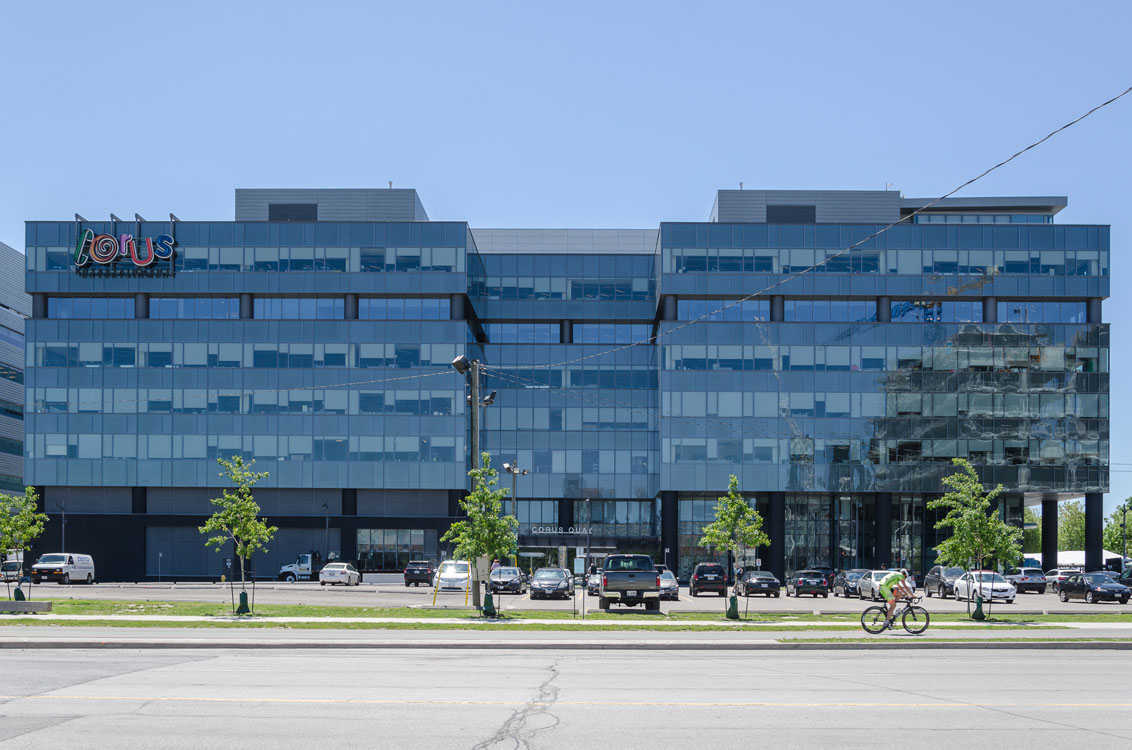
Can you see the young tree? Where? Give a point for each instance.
(1114, 539)
(20, 524)
(1071, 526)
(736, 525)
(485, 531)
(237, 518)
(977, 534)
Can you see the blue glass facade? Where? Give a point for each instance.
(631, 381)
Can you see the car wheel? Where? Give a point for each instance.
(825, 596)
(289, 578)
(322, 583)
(1063, 596)
(1089, 598)
(1124, 600)
(89, 579)
(1042, 590)
(928, 592)
(65, 579)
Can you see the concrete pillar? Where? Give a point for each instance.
(884, 309)
(777, 308)
(776, 530)
(1094, 529)
(1093, 310)
(139, 500)
(566, 513)
(566, 332)
(670, 529)
(1049, 534)
(990, 309)
(454, 498)
(39, 305)
(141, 306)
(351, 307)
(247, 307)
(882, 531)
(456, 307)
(668, 309)
(349, 502)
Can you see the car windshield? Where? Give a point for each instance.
(550, 574)
(853, 575)
(506, 572)
(711, 569)
(53, 559)
(760, 574)
(952, 572)
(667, 576)
(11, 565)
(628, 563)
(454, 569)
(1098, 578)
(989, 578)
(336, 566)
(809, 573)
(1031, 572)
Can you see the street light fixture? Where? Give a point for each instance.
(326, 541)
(63, 542)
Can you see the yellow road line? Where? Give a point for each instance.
(641, 704)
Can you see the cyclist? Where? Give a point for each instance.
(894, 587)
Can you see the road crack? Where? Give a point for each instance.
(517, 731)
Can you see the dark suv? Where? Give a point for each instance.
(418, 572)
(941, 580)
(708, 577)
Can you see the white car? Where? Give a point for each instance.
(452, 575)
(339, 572)
(869, 584)
(991, 585)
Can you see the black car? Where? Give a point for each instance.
(811, 581)
(1093, 588)
(506, 581)
(1125, 578)
(708, 577)
(552, 583)
(941, 579)
(418, 572)
(593, 584)
(845, 584)
(758, 582)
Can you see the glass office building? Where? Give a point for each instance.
(634, 371)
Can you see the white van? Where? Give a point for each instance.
(63, 567)
(12, 566)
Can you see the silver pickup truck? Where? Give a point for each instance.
(629, 580)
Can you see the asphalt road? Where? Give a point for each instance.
(506, 699)
(392, 593)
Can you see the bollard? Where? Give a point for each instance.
(733, 608)
(488, 605)
(978, 613)
(243, 609)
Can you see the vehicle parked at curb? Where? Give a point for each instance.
(418, 572)
(552, 583)
(669, 586)
(1057, 576)
(869, 584)
(13, 565)
(1093, 588)
(845, 584)
(941, 579)
(990, 585)
(452, 575)
(629, 580)
(708, 577)
(339, 573)
(758, 582)
(506, 581)
(305, 568)
(1125, 578)
(1027, 579)
(593, 584)
(910, 581)
(810, 581)
(63, 567)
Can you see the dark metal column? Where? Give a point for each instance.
(884, 309)
(351, 307)
(139, 497)
(882, 532)
(141, 306)
(776, 527)
(669, 529)
(566, 332)
(566, 513)
(349, 502)
(456, 307)
(247, 308)
(1094, 529)
(1049, 534)
(39, 305)
(990, 309)
(1093, 310)
(777, 308)
(668, 307)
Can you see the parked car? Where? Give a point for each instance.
(452, 575)
(811, 581)
(593, 584)
(506, 581)
(828, 572)
(339, 573)
(708, 576)
(910, 581)
(552, 583)
(12, 567)
(941, 579)
(418, 572)
(990, 584)
(845, 582)
(1125, 578)
(758, 582)
(869, 584)
(63, 567)
(629, 580)
(660, 567)
(1057, 576)
(1027, 579)
(1093, 588)
(669, 586)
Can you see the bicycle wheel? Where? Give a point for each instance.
(873, 619)
(915, 620)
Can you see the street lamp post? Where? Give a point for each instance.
(586, 579)
(515, 473)
(326, 539)
(1124, 539)
(63, 530)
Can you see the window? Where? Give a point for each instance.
(930, 311)
(292, 212)
(306, 308)
(194, 308)
(791, 214)
(392, 308)
(522, 333)
(88, 308)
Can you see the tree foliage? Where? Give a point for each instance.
(20, 523)
(736, 526)
(977, 534)
(236, 518)
(1031, 538)
(1113, 532)
(1071, 526)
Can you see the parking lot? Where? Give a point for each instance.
(387, 590)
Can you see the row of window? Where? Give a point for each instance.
(891, 358)
(392, 549)
(902, 261)
(569, 461)
(228, 308)
(551, 288)
(94, 354)
(397, 308)
(8, 336)
(306, 308)
(185, 308)
(262, 447)
(748, 309)
(611, 333)
(522, 333)
(933, 218)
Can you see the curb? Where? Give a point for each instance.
(1074, 645)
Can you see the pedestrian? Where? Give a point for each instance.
(495, 565)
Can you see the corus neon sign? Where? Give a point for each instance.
(105, 250)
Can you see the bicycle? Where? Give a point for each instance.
(914, 619)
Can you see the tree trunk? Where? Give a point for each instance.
(474, 572)
(243, 580)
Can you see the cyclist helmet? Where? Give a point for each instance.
(904, 571)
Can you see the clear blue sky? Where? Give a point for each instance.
(578, 115)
